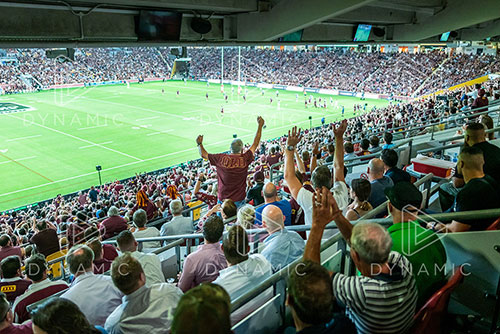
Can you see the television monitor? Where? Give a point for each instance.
(362, 33)
(445, 36)
(159, 26)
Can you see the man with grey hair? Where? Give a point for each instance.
(95, 295)
(140, 219)
(112, 225)
(178, 224)
(379, 182)
(384, 297)
(232, 168)
(282, 246)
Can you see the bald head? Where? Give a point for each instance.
(272, 218)
(375, 169)
(269, 191)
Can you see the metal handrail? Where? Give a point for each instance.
(462, 136)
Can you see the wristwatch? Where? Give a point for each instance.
(290, 148)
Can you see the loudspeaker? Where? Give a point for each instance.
(378, 32)
(201, 26)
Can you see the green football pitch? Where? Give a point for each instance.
(52, 142)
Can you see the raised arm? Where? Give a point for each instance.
(314, 159)
(256, 140)
(201, 149)
(291, 180)
(338, 159)
(300, 162)
(325, 210)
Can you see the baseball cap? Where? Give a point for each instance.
(403, 194)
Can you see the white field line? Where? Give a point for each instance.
(87, 146)
(159, 132)
(21, 138)
(144, 160)
(78, 138)
(21, 159)
(146, 118)
(93, 127)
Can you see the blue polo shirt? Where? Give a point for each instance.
(285, 207)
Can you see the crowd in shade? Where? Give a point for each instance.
(120, 287)
(400, 74)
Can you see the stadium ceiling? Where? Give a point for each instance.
(71, 23)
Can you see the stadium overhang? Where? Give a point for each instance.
(86, 23)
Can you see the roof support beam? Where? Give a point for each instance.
(457, 14)
(291, 15)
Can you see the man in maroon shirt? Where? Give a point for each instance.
(232, 168)
(112, 225)
(7, 325)
(7, 249)
(12, 283)
(42, 287)
(46, 239)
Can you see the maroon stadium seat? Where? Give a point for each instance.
(430, 317)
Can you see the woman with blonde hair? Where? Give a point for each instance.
(246, 217)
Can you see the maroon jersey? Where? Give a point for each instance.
(14, 287)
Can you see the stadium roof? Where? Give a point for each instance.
(116, 22)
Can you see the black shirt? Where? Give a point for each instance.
(491, 155)
(340, 324)
(478, 194)
(398, 175)
(255, 194)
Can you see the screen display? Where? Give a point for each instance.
(445, 36)
(362, 33)
(159, 26)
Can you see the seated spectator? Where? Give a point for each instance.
(255, 193)
(42, 287)
(95, 295)
(480, 101)
(228, 211)
(246, 217)
(374, 144)
(101, 265)
(75, 232)
(205, 309)
(387, 141)
(140, 219)
(310, 297)
(422, 247)
(480, 192)
(144, 309)
(112, 225)
(360, 192)
(488, 123)
(349, 151)
(244, 271)
(321, 176)
(331, 153)
(12, 284)
(178, 224)
(232, 169)
(7, 325)
(383, 273)
(108, 250)
(7, 248)
(475, 135)
(45, 239)
(271, 197)
(365, 146)
(204, 264)
(282, 246)
(62, 316)
(378, 181)
(150, 262)
(144, 203)
(390, 159)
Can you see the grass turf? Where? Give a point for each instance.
(54, 147)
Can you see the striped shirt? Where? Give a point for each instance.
(384, 304)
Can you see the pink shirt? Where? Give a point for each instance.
(202, 266)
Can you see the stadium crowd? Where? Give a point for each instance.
(399, 74)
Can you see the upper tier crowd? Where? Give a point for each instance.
(133, 296)
(400, 74)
